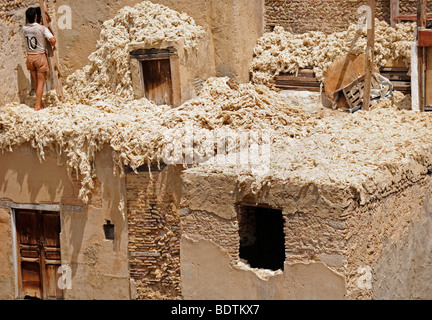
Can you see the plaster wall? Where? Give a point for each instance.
(208, 274)
(393, 238)
(99, 266)
(210, 261)
(334, 248)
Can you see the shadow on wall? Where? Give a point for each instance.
(23, 84)
(25, 180)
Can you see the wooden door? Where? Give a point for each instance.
(157, 81)
(38, 235)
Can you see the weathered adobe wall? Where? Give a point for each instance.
(15, 85)
(324, 247)
(394, 238)
(314, 244)
(99, 267)
(154, 232)
(300, 16)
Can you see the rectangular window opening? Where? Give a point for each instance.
(262, 238)
(109, 230)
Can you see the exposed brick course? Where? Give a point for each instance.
(300, 16)
(154, 237)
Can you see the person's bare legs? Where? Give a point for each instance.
(35, 80)
(39, 88)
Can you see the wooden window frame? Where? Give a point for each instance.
(140, 55)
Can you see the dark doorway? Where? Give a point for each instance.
(262, 238)
(158, 81)
(38, 234)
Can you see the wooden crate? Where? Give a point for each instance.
(353, 93)
(399, 77)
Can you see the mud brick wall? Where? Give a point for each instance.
(154, 234)
(309, 237)
(198, 225)
(300, 16)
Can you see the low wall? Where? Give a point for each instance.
(334, 248)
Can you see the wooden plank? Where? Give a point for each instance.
(369, 56)
(52, 56)
(27, 235)
(421, 23)
(152, 56)
(394, 69)
(157, 81)
(297, 88)
(297, 83)
(394, 12)
(309, 79)
(411, 17)
(428, 93)
(171, 51)
(425, 38)
(401, 83)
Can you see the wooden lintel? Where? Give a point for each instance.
(161, 56)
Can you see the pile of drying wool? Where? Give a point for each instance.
(107, 76)
(283, 52)
(8, 6)
(140, 131)
(371, 153)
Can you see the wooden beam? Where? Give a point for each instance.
(428, 93)
(369, 55)
(52, 55)
(425, 38)
(394, 12)
(411, 17)
(421, 23)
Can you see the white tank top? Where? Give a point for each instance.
(35, 35)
